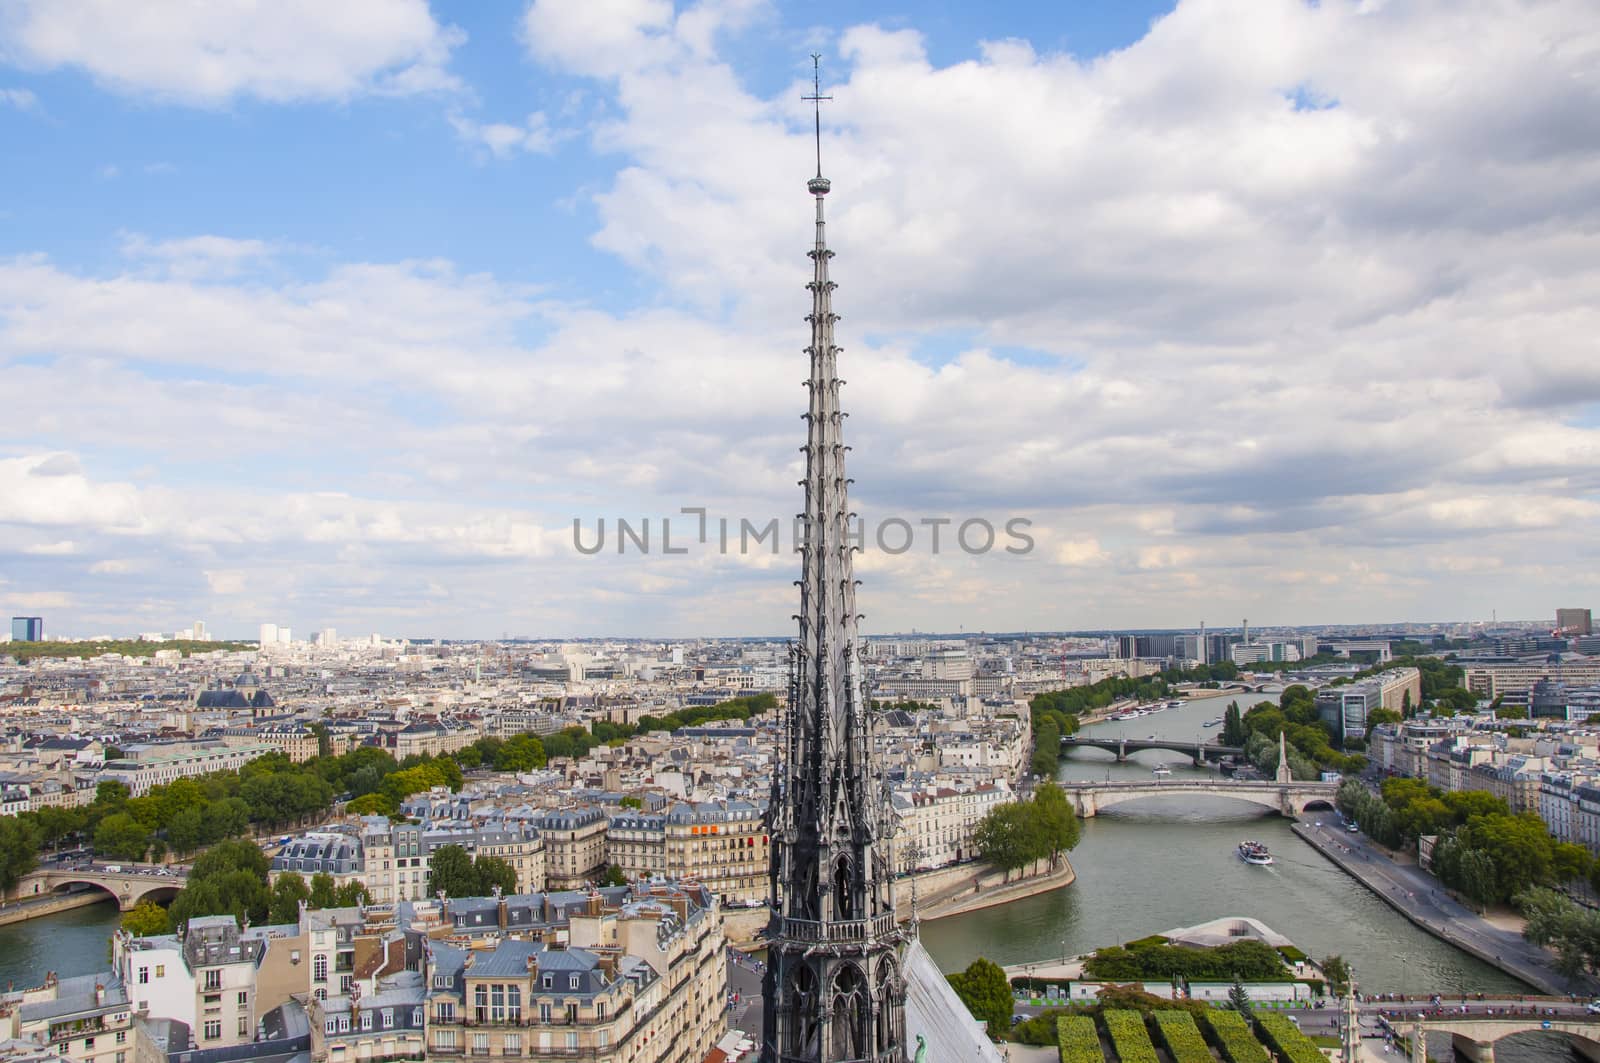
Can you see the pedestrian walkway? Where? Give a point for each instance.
(1417, 895)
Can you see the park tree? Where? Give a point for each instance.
(983, 988)
(122, 837)
(613, 876)
(20, 839)
(1233, 731)
(1239, 997)
(145, 919)
(288, 890)
(374, 804)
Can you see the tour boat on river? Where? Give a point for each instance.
(1254, 853)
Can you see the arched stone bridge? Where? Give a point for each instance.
(1473, 1037)
(1288, 799)
(128, 886)
(1199, 752)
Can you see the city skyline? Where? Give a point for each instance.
(1257, 310)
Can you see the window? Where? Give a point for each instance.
(88, 1044)
(544, 1012)
(388, 1018)
(547, 981)
(514, 1003)
(366, 1020)
(144, 976)
(244, 999)
(214, 979)
(497, 999)
(572, 982)
(319, 969)
(602, 1038)
(122, 1037)
(480, 1044)
(344, 982)
(416, 1016)
(244, 1026)
(161, 970)
(213, 1030)
(444, 1040)
(572, 1041)
(320, 994)
(480, 1003)
(446, 1011)
(122, 1057)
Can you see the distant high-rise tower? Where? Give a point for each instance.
(835, 982)
(27, 629)
(1205, 657)
(1246, 639)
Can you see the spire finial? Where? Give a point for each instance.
(818, 184)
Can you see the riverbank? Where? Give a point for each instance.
(987, 891)
(1417, 896)
(34, 908)
(943, 892)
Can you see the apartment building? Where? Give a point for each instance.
(639, 982)
(87, 1018)
(574, 845)
(1492, 678)
(144, 766)
(936, 822)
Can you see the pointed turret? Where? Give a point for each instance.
(1284, 774)
(834, 987)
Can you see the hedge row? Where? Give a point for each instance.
(1285, 1039)
(1078, 1040)
(1129, 1036)
(1231, 1034)
(1181, 1037)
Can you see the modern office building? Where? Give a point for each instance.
(1574, 622)
(27, 629)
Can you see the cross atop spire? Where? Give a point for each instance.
(818, 185)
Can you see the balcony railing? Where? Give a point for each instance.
(842, 931)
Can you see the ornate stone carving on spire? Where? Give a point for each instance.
(835, 986)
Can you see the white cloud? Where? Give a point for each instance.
(62, 548)
(503, 140)
(1234, 354)
(21, 99)
(211, 53)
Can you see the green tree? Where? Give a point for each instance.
(351, 894)
(288, 890)
(1233, 732)
(324, 891)
(145, 919)
(1239, 997)
(122, 837)
(632, 802)
(490, 872)
(374, 804)
(613, 876)
(20, 839)
(1338, 972)
(452, 872)
(983, 988)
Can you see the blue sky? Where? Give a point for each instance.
(340, 318)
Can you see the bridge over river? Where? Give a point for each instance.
(128, 884)
(1472, 1037)
(1288, 799)
(1199, 751)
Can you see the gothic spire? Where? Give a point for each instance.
(834, 985)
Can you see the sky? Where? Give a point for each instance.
(341, 315)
